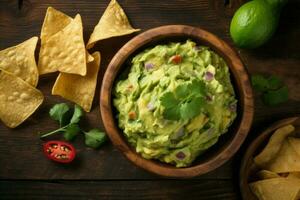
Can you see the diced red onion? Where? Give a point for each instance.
(232, 107)
(149, 66)
(208, 98)
(180, 155)
(150, 106)
(208, 76)
(178, 134)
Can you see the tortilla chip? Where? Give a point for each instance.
(89, 57)
(64, 51)
(79, 89)
(276, 189)
(287, 160)
(20, 61)
(295, 143)
(18, 99)
(113, 22)
(294, 175)
(54, 22)
(273, 147)
(265, 174)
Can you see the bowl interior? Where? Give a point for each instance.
(225, 139)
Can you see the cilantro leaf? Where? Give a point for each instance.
(172, 113)
(95, 138)
(274, 83)
(71, 131)
(191, 109)
(259, 83)
(197, 88)
(185, 102)
(182, 91)
(169, 100)
(76, 115)
(272, 89)
(59, 112)
(276, 97)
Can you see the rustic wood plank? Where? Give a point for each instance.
(140, 190)
(20, 150)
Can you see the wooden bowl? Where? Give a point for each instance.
(227, 145)
(248, 168)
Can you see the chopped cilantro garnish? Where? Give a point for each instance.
(185, 102)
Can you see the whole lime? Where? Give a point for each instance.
(253, 24)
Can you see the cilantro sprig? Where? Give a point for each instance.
(272, 89)
(69, 126)
(185, 102)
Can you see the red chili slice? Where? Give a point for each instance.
(59, 151)
(176, 59)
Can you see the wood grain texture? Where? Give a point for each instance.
(121, 190)
(20, 150)
(237, 132)
(248, 168)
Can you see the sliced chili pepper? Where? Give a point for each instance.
(59, 151)
(176, 59)
(132, 115)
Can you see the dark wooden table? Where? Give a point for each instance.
(105, 174)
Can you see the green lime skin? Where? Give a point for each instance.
(253, 24)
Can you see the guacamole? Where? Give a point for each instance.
(175, 102)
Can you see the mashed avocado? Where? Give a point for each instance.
(175, 102)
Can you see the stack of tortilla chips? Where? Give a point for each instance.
(280, 164)
(18, 78)
(62, 49)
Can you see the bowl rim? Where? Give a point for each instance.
(142, 40)
(245, 167)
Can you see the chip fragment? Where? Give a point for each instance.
(64, 51)
(276, 189)
(79, 89)
(274, 145)
(18, 99)
(20, 61)
(113, 22)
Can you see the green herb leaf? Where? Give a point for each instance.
(95, 138)
(168, 100)
(172, 113)
(59, 113)
(71, 131)
(259, 83)
(185, 102)
(76, 115)
(197, 88)
(276, 97)
(273, 91)
(274, 83)
(191, 109)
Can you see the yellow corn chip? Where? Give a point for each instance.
(64, 51)
(276, 189)
(54, 22)
(79, 89)
(295, 143)
(273, 147)
(19, 60)
(113, 22)
(89, 57)
(18, 99)
(286, 160)
(294, 175)
(265, 174)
